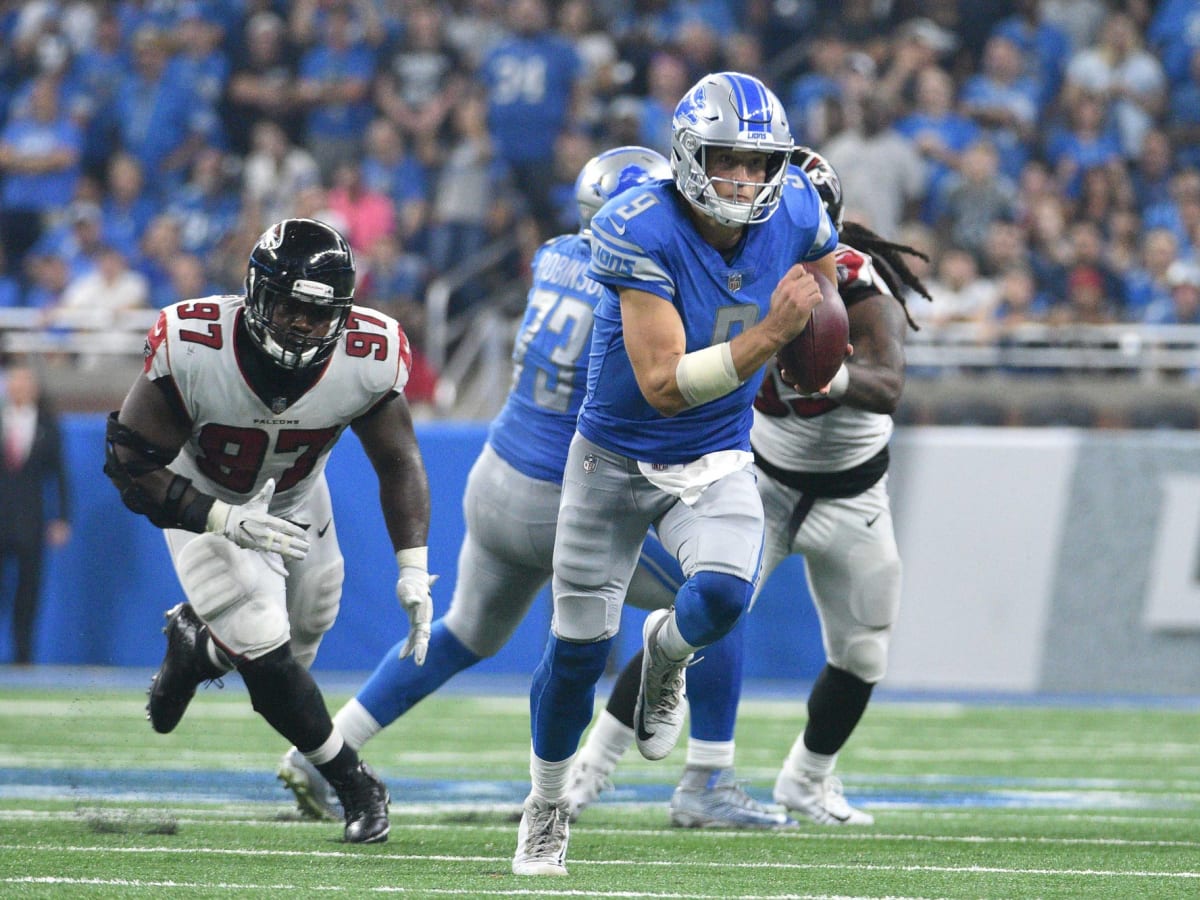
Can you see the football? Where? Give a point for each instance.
(813, 356)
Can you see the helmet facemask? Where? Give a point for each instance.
(299, 291)
(296, 327)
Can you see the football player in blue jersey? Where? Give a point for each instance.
(822, 476)
(703, 287)
(512, 497)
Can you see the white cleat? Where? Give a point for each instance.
(315, 796)
(662, 698)
(584, 785)
(542, 839)
(820, 799)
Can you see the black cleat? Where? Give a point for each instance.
(365, 800)
(183, 668)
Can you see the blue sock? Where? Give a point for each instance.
(563, 694)
(709, 605)
(397, 684)
(714, 686)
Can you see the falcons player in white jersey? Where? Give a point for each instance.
(222, 441)
(822, 475)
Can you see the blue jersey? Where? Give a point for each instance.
(534, 429)
(643, 239)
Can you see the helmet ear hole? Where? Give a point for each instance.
(309, 266)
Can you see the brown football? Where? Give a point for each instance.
(813, 356)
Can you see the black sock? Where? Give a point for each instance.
(625, 691)
(837, 702)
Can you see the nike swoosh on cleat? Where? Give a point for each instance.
(642, 733)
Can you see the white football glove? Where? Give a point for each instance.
(252, 527)
(412, 590)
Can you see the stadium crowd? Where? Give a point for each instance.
(1046, 155)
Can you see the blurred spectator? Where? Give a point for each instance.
(1016, 303)
(574, 149)
(422, 78)
(532, 83)
(275, 172)
(1080, 19)
(77, 240)
(200, 65)
(48, 278)
(126, 209)
(939, 133)
(975, 198)
(920, 44)
(207, 207)
(1150, 175)
(90, 300)
(958, 292)
(400, 176)
(98, 68)
(161, 245)
(1088, 249)
(40, 163)
(1005, 247)
(881, 171)
(464, 189)
(394, 280)
(1124, 73)
(1004, 102)
(1083, 145)
(33, 472)
(261, 86)
(1180, 212)
(809, 96)
(1044, 45)
(368, 214)
(1174, 31)
(474, 27)
(334, 87)
(667, 78)
(1183, 117)
(157, 122)
(1087, 302)
(1182, 307)
(604, 73)
(188, 279)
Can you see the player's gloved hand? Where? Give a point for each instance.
(252, 527)
(412, 590)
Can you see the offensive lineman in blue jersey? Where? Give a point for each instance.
(703, 289)
(512, 496)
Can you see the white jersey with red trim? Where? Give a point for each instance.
(238, 440)
(803, 435)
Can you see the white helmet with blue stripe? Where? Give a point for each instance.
(732, 111)
(612, 172)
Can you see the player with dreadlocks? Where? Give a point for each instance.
(822, 464)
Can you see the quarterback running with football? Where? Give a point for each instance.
(512, 499)
(704, 284)
(222, 441)
(822, 474)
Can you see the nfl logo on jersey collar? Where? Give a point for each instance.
(734, 281)
(278, 405)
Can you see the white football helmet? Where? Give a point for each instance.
(612, 172)
(729, 110)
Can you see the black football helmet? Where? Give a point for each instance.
(299, 291)
(824, 178)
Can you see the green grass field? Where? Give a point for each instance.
(971, 801)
